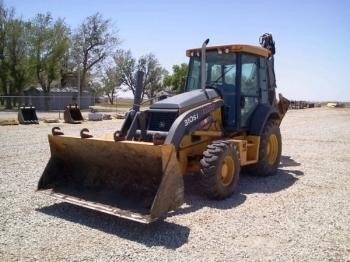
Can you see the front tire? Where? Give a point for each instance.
(220, 168)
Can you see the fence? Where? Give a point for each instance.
(49, 102)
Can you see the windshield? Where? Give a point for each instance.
(220, 68)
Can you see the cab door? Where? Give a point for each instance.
(221, 75)
(249, 87)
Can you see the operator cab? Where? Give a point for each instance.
(238, 73)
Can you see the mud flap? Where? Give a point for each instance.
(134, 180)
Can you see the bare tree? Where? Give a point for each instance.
(92, 43)
(126, 68)
(154, 75)
(111, 83)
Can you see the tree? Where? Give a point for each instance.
(178, 78)
(126, 68)
(111, 82)
(18, 53)
(92, 43)
(49, 43)
(5, 16)
(14, 73)
(154, 75)
(68, 75)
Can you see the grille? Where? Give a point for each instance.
(161, 121)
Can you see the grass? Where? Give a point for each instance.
(121, 103)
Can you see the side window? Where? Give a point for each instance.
(222, 74)
(249, 80)
(215, 74)
(194, 75)
(249, 87)
(230, 76)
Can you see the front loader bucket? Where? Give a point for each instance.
(27, 115)
(72, 114)
(134, 180)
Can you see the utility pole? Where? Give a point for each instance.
(79, 88)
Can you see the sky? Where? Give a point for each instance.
(312, 60)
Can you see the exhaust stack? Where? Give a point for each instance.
(203, 71)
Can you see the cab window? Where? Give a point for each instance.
(249, 87)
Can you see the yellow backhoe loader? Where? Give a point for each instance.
(227, 118)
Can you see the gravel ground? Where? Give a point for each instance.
(301, 214)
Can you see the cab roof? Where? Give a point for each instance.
(251, 49)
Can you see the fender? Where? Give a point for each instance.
(259, 118)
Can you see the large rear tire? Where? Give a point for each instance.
(220, 168)
(269, 152)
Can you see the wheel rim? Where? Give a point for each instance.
(272, 149)
(227, 170)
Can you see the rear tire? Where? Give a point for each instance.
(269, 151)
(220, 168)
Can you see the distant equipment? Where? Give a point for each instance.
(72, 114)
(27, 115)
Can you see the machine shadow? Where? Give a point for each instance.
(159, 233)
(170, 235)
(287, 161)
(248, 184)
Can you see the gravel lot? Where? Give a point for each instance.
(301, 214)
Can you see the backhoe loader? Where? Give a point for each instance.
(226, 119)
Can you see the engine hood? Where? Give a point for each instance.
(186, 99)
